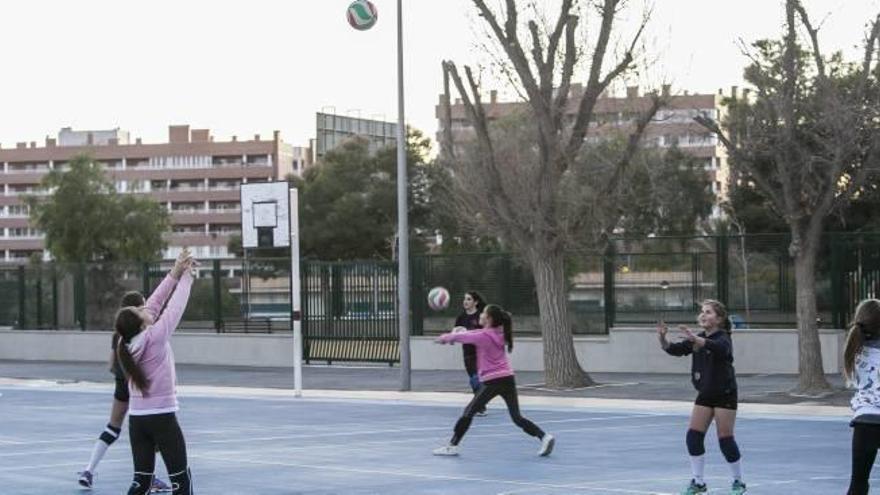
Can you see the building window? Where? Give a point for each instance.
(18, 210)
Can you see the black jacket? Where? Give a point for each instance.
(471, 322)
(712, 370)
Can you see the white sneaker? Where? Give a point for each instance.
(546, 445)
(447, 450)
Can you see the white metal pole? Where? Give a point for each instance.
(295, 288)
(402, 220)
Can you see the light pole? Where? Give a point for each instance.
(402, 219)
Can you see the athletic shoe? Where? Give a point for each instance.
(159, 486)
(85, 480)
(738, 488)
(546, 445)
(694, 488)
(447, 450)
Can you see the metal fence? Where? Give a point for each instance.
(350, 312)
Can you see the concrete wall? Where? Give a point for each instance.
(625, 350)
(637, 350)
(189, 348)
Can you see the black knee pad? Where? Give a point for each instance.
(141, 484)
(694, 440)
(110, 434)
(181, 483)
(729, 448)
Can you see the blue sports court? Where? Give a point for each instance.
(266, 442)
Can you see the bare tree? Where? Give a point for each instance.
(808, 140)
(518, 178)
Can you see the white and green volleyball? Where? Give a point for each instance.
(438, 298)
(362, 14)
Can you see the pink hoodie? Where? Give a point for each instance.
(492, 360)
(151, 349)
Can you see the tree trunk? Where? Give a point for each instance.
(811, 379)
(561, 367)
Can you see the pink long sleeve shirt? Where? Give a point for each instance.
(492, 362)
(151, 349)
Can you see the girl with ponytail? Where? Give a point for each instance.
(496, 377)
(861, 365)
(144, 353)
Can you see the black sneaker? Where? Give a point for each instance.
(547, 444)
(694, 488)
(85, 480)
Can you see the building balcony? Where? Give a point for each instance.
(11, 193)
(19, 243)
(196, 239)
(212, 194)
(14, 222)
(205, 216)
(226, 172)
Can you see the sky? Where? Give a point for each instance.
(251, 67)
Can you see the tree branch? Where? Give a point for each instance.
(446, 143)
(632, 147)
(814, 37)
(568, 64)
(595, 85)
(747, 163)
(496, 195)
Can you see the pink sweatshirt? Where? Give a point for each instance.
(151, 349)
(492, 360)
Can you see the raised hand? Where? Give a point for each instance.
(662, 329)
(183, 262)
(687, 333)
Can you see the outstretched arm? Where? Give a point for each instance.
(159, 296)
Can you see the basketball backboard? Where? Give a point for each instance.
(265, 210)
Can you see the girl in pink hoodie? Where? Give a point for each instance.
(144, 351)
(496, 376)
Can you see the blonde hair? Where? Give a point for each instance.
(720, 310)
(865, 325)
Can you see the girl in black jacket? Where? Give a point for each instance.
(469, 319)
(714, 378)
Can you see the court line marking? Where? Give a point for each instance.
(458, 400)
(498, 424)
(352, 445)
(425, 476)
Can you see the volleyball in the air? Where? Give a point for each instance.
(362, 14)
(438, 298)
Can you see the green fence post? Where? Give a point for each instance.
(54, 296)
(504, 289)
(39, 291)
(608, 287)
(79, 295)
(22, 317)
(218, 301)
(837, 309)
(417, 294)
(146, 279)
(722, 268)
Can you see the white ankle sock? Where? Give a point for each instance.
(698, 463)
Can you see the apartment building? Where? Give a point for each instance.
(194, 176)
(672, 126)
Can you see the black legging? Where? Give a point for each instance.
(506, 388)
(865, 441)
(158, 432)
